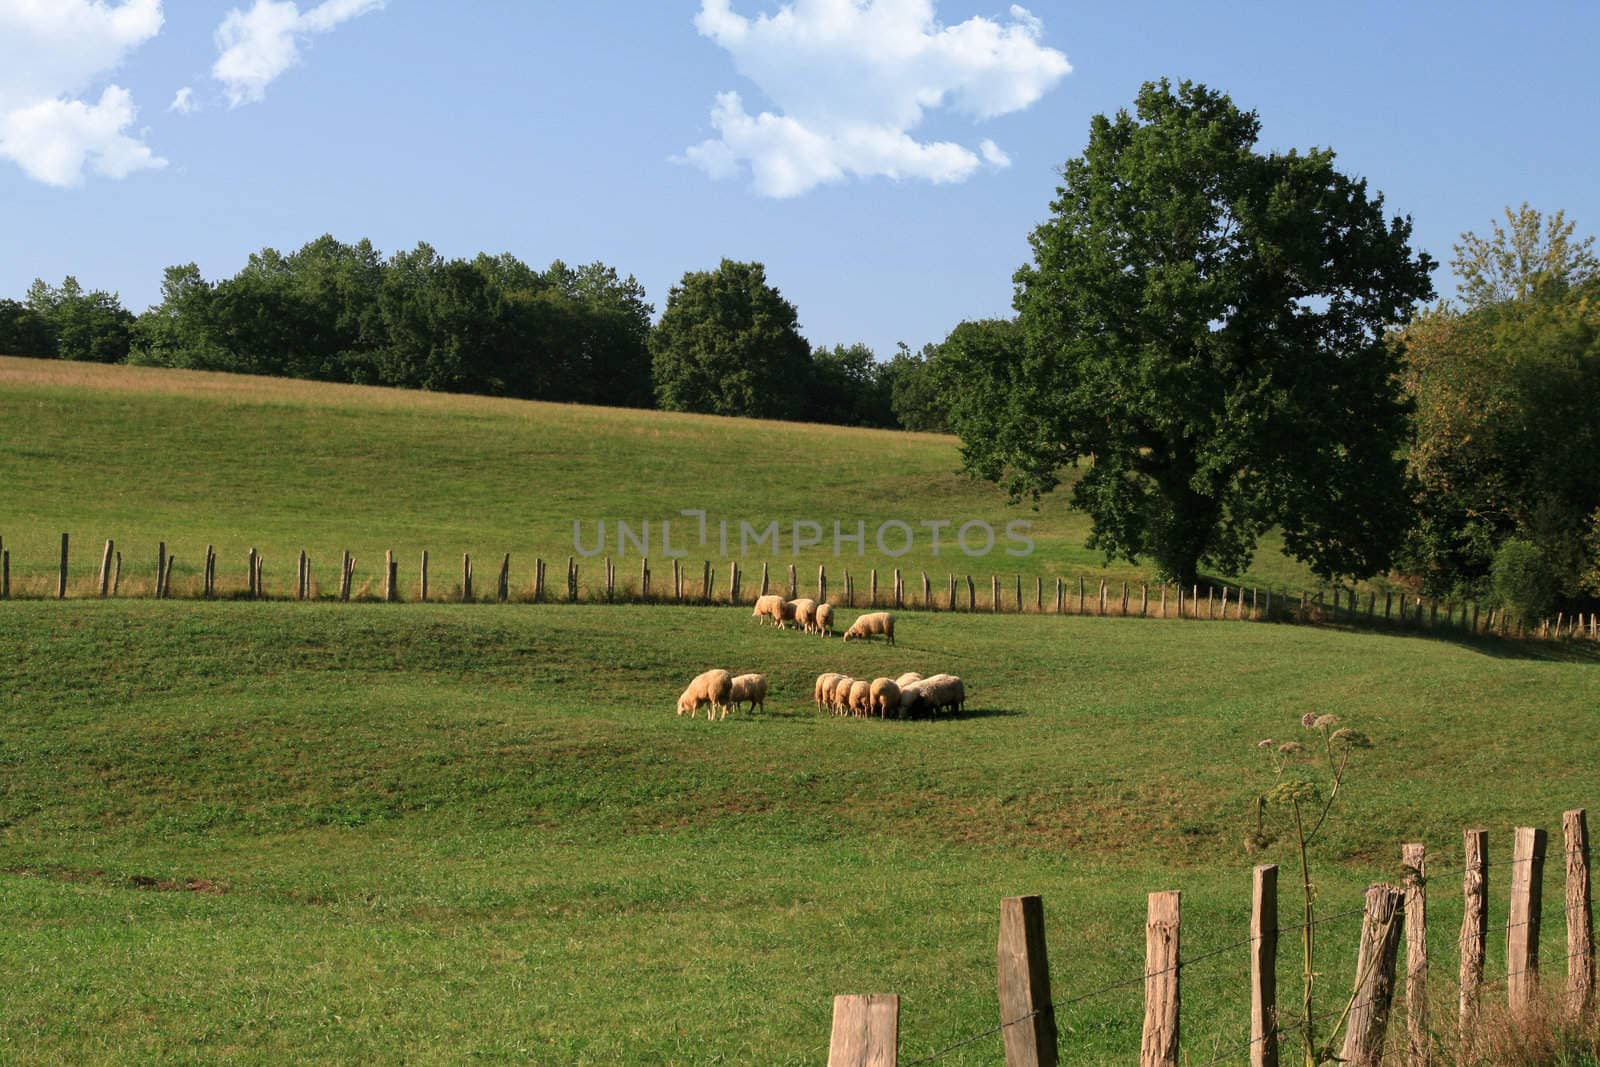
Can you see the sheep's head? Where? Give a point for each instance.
(685, 703)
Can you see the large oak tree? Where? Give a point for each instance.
(1205, 325)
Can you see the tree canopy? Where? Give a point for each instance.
(729, 344)
(1206, 324)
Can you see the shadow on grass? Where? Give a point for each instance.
(1559, 650)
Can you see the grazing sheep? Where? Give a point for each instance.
(839, 697)
(860, 699)
(825, 619)
(711, 687)
(769, 607)
(822, 692)
(942, 692)
(879, 622)
(805, 610)
(883, 696)
(907, 678)
(751, 687)
(785, 614)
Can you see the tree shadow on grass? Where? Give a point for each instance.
(1536, 650)
(971, 713)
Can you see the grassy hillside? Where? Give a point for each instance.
(144, 455)
(262, 832)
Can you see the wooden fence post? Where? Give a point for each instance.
(1058, 596)
(822, 583)
(677, 581)
(166, 579)
(1474, 929)
(105, 570)
(849, 590)
(866, 1031)
(927, 594)
(972, 595)
(1080, 594)
(388, 576)
(1180, 600)
(1580, 934)
(261, 567)
(1027, 1016)
(1159, 1045)
(422, 575)
(794, 584)
(899, 590)
(1102, 596)
(466, 577)
(872, 588)
(1264, 967)
(5, 574)
(705, 582)
(994, 592)
(208, 580)
(763, 579)
(116, 574)
(250, 571)
(950, 602)
(1522, 928)
(539, 579)
(1163, 600)
(734, 577)
(1414, 858)
(1144, 599)
(1374, 987)
(61, 574)
(611, 579)
(644, 578)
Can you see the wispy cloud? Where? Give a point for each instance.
(51, 51)
(852, 78)
(183, 102)
(254, 47)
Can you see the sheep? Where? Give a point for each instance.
(824, 619)
(769, 607)
(822, 693)
(839, 697)
(785, 614)
(884, 695)
(803, 611)
(751, 687)
(879, 622)
(860, 699)
(907, 678)
(942, 692)
(711, 687)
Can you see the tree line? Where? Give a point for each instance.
(728, 342)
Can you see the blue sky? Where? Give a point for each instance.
(562, 129)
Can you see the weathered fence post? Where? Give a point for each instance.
(1474, 929)
(1058, 596)
(1264, 967)
(250, 570)
(116, 574)
(763, 579)
(705, 582)
(5, 573)
(166, 579)
(899, 590)
(300, 585)
(927, 594)
(950, 602)
(1374, 986)
(644, 579)
(994, 592)
(1027, 1016)
(422, 593)
(105, 570)
(734, 577)
(866, 1031)
(1211, 602)
(1163, 600)
(466, 576)
(872, 588)
(539, 573)
(794, 584)
(1414, 858)
(972, 595)
(1102, 596)
(849, 590)
(1180, 600)
(1522, 928)
(677, 581)
(61, 574)
(1080, 595)
(822, 583)
(261, 568)
(611, 579)
(1159, 1045)
(1580, 934)
(388, 576)
(1144, 599)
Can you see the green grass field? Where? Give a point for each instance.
(142, 455)
(268, 832)
(265, 831)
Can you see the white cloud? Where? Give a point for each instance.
(257, 45)
(51, 51)
(852, 78)
(183, 103)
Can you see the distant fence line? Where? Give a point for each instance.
(691, 584)
(1033, 1025)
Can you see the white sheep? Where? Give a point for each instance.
(751, 687)
(824, 619)
(804, 610)
(879, 622)
(907, 678)
(769, 607)
(839, 697)
(860, 699)
(712, 687)
(822, 692)
(883, 696)
(942, 692)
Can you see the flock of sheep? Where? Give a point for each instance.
(910, 694)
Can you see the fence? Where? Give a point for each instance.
(699, 585)
(866, 1029)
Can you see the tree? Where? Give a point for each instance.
(916, 398)
(23, 332)
(1522, 260)
(1207, 324)
(848, 387)
(92, 326)
(729, 344)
